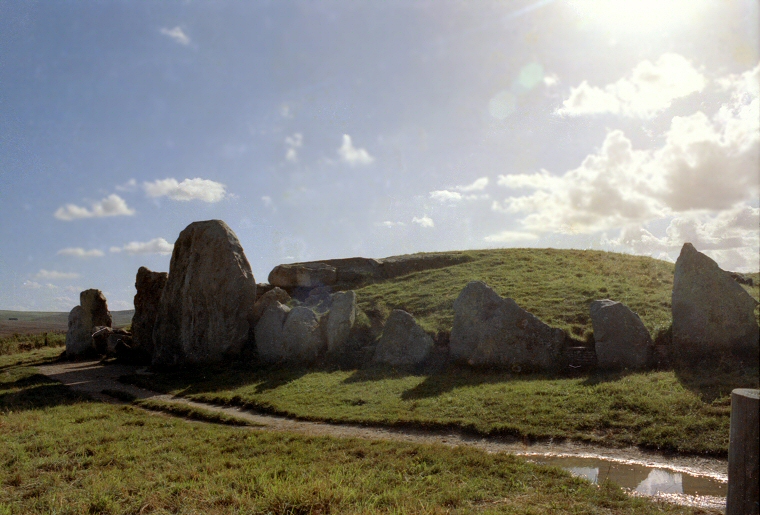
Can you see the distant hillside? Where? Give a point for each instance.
(555, 285)
(48, 321)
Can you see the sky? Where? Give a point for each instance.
(329, 129)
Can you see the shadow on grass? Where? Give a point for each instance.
(195, 380)
(36, 392)
(715, 384)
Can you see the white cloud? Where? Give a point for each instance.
(177, 34)
(293, 143)
(648, 90)
(128, 187)
(112, 205)
(478, 185)
(510, 236)
(390, 224)
(425, 221)
(703, 165)
(189, 189)
(32, 285)
(154, 246)
(352, 155)
(80, 252)
(52, 275)
(445, 196)
(551, 80)
(731, 237)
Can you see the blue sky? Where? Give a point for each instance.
(332, 129)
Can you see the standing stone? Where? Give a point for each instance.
(302, 336)
(93, 312)
(404, 342)
(713, 316)
(340, 319)
(78, 337)
(270, 344)
(149, 286)
(206, 306)
(493, 331)
(621, 339)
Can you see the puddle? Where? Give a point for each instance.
(649, 481)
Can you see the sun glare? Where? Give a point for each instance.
(640, 15)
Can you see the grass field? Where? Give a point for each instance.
(65, 454)
(555, 285)
(661, 409)
(37, 322)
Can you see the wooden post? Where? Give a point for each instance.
(743, 477)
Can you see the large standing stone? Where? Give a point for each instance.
(302, 336)
(149, 286)
(621, 339)
(270, 344)
(206, 307)
(340, 319)
(713, 316)
(93, 312)
(493, 331)
(403, 342)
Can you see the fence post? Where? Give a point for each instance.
(743, 477)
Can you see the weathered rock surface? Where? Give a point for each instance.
(404, 342)
(271, 297)
(304, 275)
(396, 266)
(302, 336)
(262, 288)
(149, 287)
(357, 271)
(340, 320)
(713, 317)
(270, 344)
(93, 312)
(207, 303)
(622, 340)
(78, 337)
(493, 331)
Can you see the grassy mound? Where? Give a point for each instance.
(555, 285)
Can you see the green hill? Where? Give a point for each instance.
(555, 285)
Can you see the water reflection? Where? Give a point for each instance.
(645, 480)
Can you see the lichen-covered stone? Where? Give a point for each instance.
(149, 287)
(93, 312)
(621, 339)
(270, 345)
(207, 303)
(713, 316)
(403, 342)
(493, 331)
(340, 320)
(302, 336)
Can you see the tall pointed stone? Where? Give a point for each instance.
(713, 316)
(205, 312)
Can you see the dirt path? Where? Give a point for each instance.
(93, 377)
